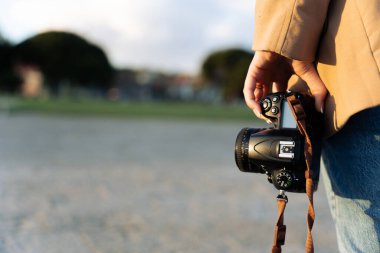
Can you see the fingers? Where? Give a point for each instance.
(277, 87)
(251, 100)
(265, 68)
(309, 74)
(255, 88)
(260, 91)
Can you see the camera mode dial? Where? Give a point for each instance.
(284, 179)
(266, 104)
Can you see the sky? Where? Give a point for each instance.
(166, 35)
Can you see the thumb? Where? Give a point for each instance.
(308, 73)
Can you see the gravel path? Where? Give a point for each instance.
(139, 186)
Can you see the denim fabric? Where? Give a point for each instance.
(351, 172)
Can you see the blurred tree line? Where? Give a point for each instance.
(8, 79)
(227, 70)
(62, 58)
(66, 59)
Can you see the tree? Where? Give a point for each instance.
(8, 79)
(64, 56)
(227, 69)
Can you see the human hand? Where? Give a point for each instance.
(270, 69)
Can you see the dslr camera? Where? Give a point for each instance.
(278, 151)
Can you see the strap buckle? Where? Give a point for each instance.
(282, 196)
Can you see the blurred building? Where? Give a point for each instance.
(152, 85)
(32, 80)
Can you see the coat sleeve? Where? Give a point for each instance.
(291, 28)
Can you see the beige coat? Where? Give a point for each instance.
(342, 36)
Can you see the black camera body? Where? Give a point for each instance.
(278, 152)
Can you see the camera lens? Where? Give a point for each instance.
(241, 151)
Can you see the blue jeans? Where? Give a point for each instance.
(351, 172)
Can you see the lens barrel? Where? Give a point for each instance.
(241, 151)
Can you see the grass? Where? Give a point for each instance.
(102, 108)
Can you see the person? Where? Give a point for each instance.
(333, 47)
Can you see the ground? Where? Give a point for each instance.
(74, 184)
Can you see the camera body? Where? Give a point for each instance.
(278, 152)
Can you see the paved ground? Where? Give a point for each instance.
(101, 185)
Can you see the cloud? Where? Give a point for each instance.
(162, 34)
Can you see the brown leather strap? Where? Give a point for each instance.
(280, 228)
(299, 115)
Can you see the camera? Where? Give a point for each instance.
(278, 151)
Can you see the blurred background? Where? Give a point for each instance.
(117, 128)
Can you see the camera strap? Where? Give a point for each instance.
(280, 230)
(300, 116)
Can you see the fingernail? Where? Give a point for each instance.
(269, 121)
(322, 109)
